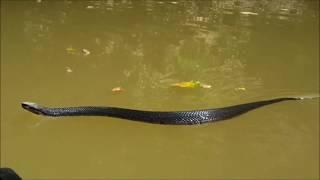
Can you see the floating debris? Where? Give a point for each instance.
(240, 89)
(117, 89)
(187, 84)
(205, 86)
(90, 7)
(69, 70)
(71, 50)
(248, 13)
(191, 84)
(138, 52)
(86, 52)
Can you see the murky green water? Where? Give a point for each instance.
(67, 53)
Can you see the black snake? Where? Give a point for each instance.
(158, 117)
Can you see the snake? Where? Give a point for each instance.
(190, 117)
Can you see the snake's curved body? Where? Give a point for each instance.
(158, 117)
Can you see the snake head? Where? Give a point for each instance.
(32, 107)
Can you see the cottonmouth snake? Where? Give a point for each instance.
(158, 117)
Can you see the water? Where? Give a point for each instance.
(67, 53)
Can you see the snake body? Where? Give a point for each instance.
(157, 117)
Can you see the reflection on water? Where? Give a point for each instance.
(74, 52)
